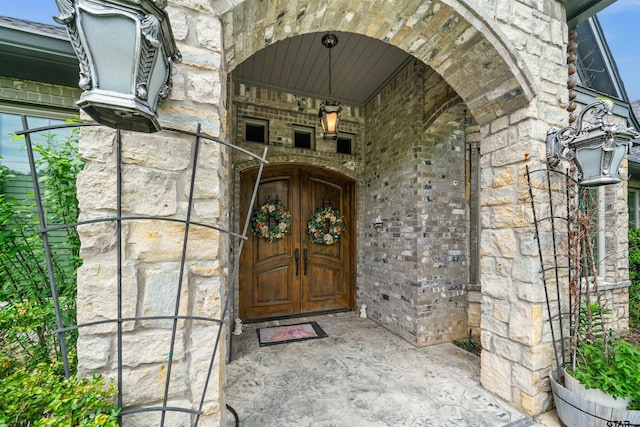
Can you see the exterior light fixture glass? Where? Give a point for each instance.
(598, 149)
(330, 110)
(125, 49)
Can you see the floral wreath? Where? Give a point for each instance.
(261, 218)
(326, 226)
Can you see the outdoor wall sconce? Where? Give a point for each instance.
(125, 49)
(378, 224)
(598, 149)
(330, 110)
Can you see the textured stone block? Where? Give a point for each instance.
(144, 191)
(97, 237)
(151, 346)
(536, 404)
(97, 294)
(207, 301)
(206, 185)
(209, 32)
(146, 384)
(525, 325)
(97, 143)
(203, 88)
(526, 269)
(495, 374)
(93, 352)
(203, 339)
(538, 357)
(161, 283)
(168, 151)
(162, 241)
(497, 287)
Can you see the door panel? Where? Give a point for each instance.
(328, 285)
(267, 268)
(272, 287)
(272, 283)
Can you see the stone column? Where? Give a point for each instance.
(517, 347)
(156, 171)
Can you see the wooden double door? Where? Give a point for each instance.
(294, 276)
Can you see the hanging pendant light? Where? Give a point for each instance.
(330, 110)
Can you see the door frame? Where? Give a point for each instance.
(350, 227)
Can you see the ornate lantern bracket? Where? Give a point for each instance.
(125, 49)
(597, 148)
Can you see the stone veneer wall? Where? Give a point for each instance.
(156, 171)
(504, 59)
(413, 275)
(153, 185)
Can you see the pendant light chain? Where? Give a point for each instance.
(330, 97)
(329, 113)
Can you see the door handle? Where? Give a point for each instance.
(305, 258)
(296, 257)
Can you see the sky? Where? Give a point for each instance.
(621, 26)
(620, 23)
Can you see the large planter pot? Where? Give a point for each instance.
(575, 410)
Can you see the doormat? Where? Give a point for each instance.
(290, 333)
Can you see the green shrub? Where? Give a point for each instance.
(24, 278)
(33, 389)
(40, 396)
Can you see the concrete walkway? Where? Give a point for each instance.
(360, 375)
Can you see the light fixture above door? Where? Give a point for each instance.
(330, 109)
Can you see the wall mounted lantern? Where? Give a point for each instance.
(330, 110)
(597, 148)
(125, 49)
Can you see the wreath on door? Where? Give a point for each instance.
(325, 227)
(271, 221)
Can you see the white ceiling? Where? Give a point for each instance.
(299, 65)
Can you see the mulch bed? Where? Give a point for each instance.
(472, 347)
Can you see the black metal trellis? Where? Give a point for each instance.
(118, 219)
(559, 332)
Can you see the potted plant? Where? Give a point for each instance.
(600, 383)
(603, 369)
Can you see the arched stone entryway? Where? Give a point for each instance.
(485, 71)
(504, 62)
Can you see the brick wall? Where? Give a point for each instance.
(413, 275)
(506, 61)
(414, 174)
(36, 93)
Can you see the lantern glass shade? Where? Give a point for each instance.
(125, 51)
(599, 156)
(113, 67)
(329, 116)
